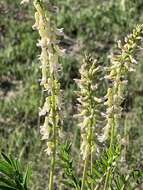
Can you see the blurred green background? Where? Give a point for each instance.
(91, 26)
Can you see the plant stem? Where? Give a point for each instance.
(84, 173)
(91, 165)
(91, 157)
(112, 134)
(106, 180)
(51, 184)
(91, 145)
(110, 147)
(51, 181)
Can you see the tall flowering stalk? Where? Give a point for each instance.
(88, 111)
(50, 67)
(122, 63)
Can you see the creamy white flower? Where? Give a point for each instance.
(24, 2)
(102, 138)
(45, 108)
(45, 130)
(60, 32)
(42, 43)
(49, 149)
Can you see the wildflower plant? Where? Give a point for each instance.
(97, 173)
(89, 111)
(122, 64)
(51, 129)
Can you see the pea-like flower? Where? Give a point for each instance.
(88, 110)
(122, 64)
(24, 2)
(50, 67)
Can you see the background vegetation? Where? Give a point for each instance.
(92, 25)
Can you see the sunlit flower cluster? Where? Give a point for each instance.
(50, 67)
(88, 104)
(121, 64)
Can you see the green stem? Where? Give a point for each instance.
(106, 180)
(110, 147)
(91, 154)
(52, 170)
(60, 184)
(91, 165)
(86, 165)
(112, 134)
(51, 181)
(84, 173)
(86, 159)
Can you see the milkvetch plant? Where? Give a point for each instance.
(49, 58)
(122, 64)
(98, 172)
(89, 111)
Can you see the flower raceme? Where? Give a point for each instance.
(89, 111)
(50, 73)
(122, 64)
(89, 104)
(49, 58)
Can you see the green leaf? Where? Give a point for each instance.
(26, 177)
(68, 183)
(3, 187)
(14, 164)
(96, 172)
(7, 181)
(6, 169)
(6, 158)
(11, 174)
